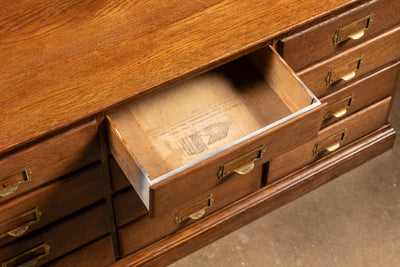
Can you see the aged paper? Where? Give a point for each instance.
(194, 119)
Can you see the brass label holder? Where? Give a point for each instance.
(195, 211)
(330, 144)
(29, 218)
(242, 165)
(28, 258)
(345, 72)
(10, 190)
(354, 31)
(339, 109)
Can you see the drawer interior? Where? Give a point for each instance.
(173, 129)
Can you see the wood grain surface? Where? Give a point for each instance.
(232, 217)
(63, 61)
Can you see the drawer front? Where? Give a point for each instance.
(361, 94)
(97, 254)
(331, 138)
(245, 114)
(327, 76)
(204, 176)
(45, 161)
(128, 207)
(147, 230)
(339, 33)
(56, 240)
(50, 203)
(119, 180)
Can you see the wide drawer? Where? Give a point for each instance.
(146, 230)
(183, 141)
(47, 160)
(324, 77)
(361, 94)
(339, 33)
(330, 139)
(57, 240)
(97, 254)
(50, 203)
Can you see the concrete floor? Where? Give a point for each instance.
(353, 220)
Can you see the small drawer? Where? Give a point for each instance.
(97, 254)
(146, 230)
(339, 33)
(50, 203)
(361, 94)
(325, 77)
(47, 160)
(57, 240)
(181, 142)
(118, 179)
(128, 207)
(330, 139)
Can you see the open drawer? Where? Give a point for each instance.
(176, 144)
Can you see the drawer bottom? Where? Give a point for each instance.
(265, 200)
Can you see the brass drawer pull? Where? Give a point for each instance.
(19, 225)
(345, 72)
(330, 144)
(242, 165)
(8, 182)
(354, 31)
(195, 211)
(339, 109)
(28, 258)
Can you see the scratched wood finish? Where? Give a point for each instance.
(317, 42)
(356, 126)
(256, 205)
(63, 237)
(63, 61)
(54, 201)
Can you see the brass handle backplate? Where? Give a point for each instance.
(354, 31)
(242, 165)
(195, 211)
(330, 144)
(345, 72)
(12, 227)
(9, 190)
(29, 258)
(339, 109)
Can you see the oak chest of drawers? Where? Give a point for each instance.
(136, 133)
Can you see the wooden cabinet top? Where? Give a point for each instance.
(64, 61)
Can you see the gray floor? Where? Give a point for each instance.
(352, 221)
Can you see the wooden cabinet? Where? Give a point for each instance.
(129, 142)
